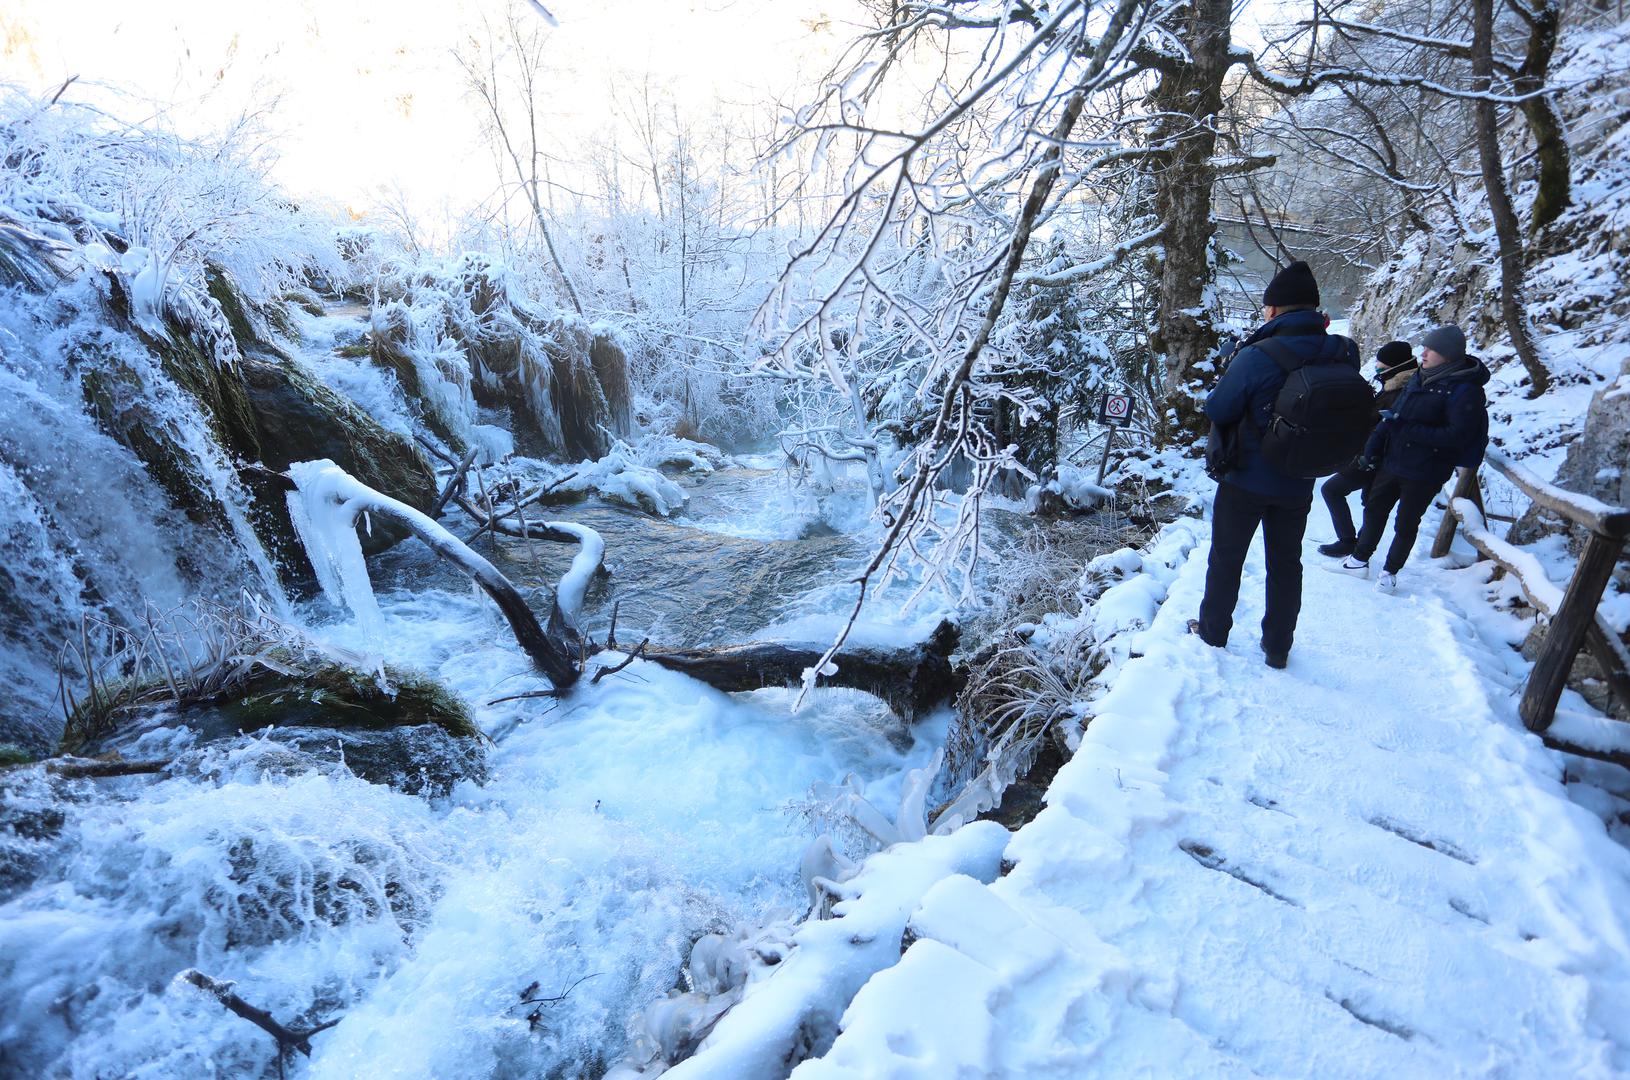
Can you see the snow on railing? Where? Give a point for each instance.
(1575, 621)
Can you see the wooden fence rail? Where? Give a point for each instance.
(1572, 611)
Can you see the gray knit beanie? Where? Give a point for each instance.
(1447, 341)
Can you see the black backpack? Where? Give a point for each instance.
(1324, 414)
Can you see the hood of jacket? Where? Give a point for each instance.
(1291, 322)
(1398, 380)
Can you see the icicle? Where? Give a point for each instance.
(325, 520)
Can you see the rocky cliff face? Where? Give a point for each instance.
(265, 412)
(1577, 268)
(1597, 464)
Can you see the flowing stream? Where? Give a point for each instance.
(511, 927)
(614, 828)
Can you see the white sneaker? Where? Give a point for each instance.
(1386, 582)
(1351, 565)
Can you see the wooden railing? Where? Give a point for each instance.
(1572, 611)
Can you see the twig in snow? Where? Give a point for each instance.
(526, 695)
(536, 1015)
(633, 656)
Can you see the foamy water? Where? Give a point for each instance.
(614, 829)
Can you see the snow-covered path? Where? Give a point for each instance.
(1361, 866)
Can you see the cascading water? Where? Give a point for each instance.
(83, 525)
(614, 830)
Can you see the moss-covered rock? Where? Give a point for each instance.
(387, 348)
(340, 697)
(296, 418)
(565, 389)
(133, 413)
(411, 732)
(264, 411)
(12, 754)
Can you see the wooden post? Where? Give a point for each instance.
(1465, 488)
(1103, 462)
(1567, 632)
(1608, 658)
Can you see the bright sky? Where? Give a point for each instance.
(368, 95)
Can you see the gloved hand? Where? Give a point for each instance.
(1368, 464)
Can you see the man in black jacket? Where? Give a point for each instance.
(1440, 421)
(1255, 494)
(1394, 364)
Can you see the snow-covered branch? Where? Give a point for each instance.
(325, 506)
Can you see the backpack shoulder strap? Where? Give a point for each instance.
(1338, 349)
(1281, 353)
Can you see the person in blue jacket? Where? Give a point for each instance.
(1254, 494)
(1440, 421)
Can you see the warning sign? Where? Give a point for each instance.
(1115, 409)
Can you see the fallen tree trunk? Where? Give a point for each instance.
(75, 768)
(912, 680)
(334, 500)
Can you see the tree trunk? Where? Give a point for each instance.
(911, 680)
(1506, 227)
(1188, 97)
(1544, 122)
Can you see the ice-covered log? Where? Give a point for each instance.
(325, 507)
(910, 679)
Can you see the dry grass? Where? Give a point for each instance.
(195, 652)
(1018, 694)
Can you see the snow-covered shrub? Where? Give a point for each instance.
(1068, 487)
(159, 211)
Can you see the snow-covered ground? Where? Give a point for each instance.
(1360, 866)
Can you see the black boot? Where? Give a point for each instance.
(1338, 549)
(1194, 628)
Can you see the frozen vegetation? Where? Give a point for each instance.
(350, 577)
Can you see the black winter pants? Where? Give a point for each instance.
(1335, 491)
(1412, 497)
(1235, 516)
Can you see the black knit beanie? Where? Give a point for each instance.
(1294, 286)
(1394, 356)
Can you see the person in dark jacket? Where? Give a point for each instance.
(1394, 364)
(1439, 421)
(1254, 494)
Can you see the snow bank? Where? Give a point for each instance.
(623, 476)
(1247, 872)
(795, 1007)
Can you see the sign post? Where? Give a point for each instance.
(1114, 409)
